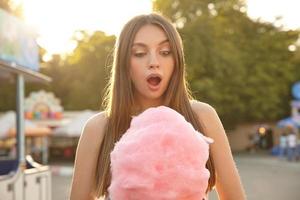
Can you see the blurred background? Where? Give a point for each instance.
(242, 57)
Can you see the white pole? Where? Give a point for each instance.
(20, 120)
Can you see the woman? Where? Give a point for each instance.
(148, 71)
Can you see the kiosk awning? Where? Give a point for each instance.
(8, 71)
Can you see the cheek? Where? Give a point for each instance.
(170, 67)
(135, 71)
(169, 72)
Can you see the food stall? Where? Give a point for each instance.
(21, 178)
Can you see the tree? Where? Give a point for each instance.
(79, 79)
(242, 67)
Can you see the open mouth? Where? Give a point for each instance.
(154, 80)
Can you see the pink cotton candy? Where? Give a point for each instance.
(160, 157)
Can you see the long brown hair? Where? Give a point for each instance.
(119, 101)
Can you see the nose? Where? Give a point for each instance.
(153, 61)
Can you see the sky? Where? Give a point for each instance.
(56, 20)
(268, 10)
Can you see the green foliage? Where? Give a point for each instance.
(80, 78)
(242, 67)
(7, 95)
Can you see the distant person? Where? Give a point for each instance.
(283, 145)
(254, 142)
(269, 138)
(291, 144)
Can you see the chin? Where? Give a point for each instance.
(154, 96)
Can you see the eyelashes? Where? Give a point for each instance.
(139, 54)
(165, 52)
(144, 53)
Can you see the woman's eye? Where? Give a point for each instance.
(139, 54)
(165, 52)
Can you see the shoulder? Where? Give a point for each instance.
(93, 131)
(202, 108)
(95, 123)
(208, 118)
(205, 112)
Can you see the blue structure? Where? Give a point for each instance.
(288, 121)
(294, 119)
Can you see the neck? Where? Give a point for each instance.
(141, 105)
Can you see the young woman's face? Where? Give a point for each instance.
(151, 63)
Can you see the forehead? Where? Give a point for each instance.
(150, 35)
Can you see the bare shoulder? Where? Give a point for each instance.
(207, 115)
(95, 125)
(93, 130)
(210, 121)
(202, 108)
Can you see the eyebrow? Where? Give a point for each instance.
(144, 45)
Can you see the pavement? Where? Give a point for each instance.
(264, 177)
